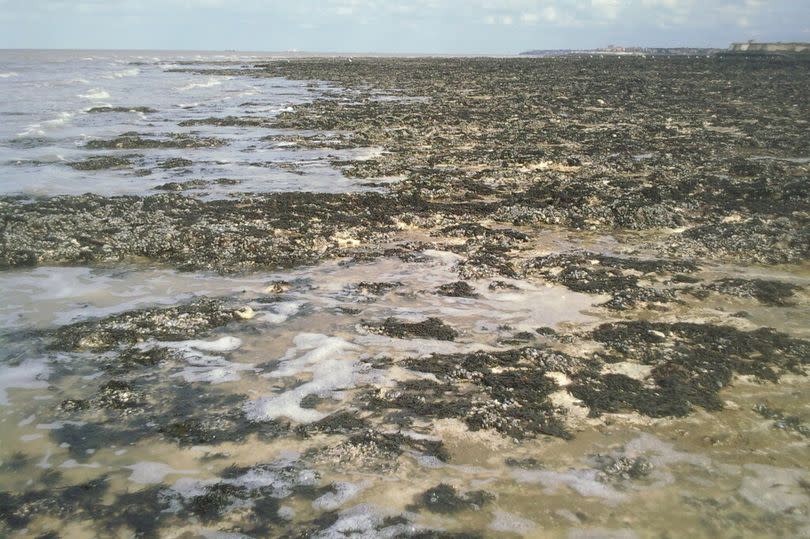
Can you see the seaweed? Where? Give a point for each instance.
(444, 499)
(431, 328)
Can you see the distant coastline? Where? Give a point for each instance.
(748, 48)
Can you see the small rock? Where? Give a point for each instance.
(245, 313)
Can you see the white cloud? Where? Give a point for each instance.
(608, 9)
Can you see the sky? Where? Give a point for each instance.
(396, 26)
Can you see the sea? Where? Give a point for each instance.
(46, 96)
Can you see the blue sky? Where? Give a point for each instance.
(396, 26)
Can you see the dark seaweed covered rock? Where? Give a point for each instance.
(216, 500)
(176, 162)
(601, 274)
(765, 291)
(136, 141)
(585, 259)
(510, 390)
(74, 405)
(778, 241)
(782, 420)
(376, 289)
(163, 324)
(338, 423)
(444, 498)
(134, 358)
(488, 260)
(79, 500)
(97, 110)
(181, 186)
(274, 230)
(102, 162)
(690, 364)
(622, 467)
(119, 395)
(228, 121)
(458, 289)
(431, 328)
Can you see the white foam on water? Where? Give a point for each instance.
(133, 72)
(30, 374)
(661, 453)
(56, 425)
(223, 344)
(44, 462)
(72, 463)
(777, 490)
(188, 487)
(213, 372)
(363, 521)
(281, 312)
(211, 82)
(429, 461)
(421, 347)
(95, 93)
(61, 295)
(275, 477)
(585, 482)
(32, 130)
(27, 421)
(509, 522)
(62, 119)
(286, 512)
(205, 367)
(9, 74)
(445, 257)
(343, 493)
(146, 473)
(330, 360)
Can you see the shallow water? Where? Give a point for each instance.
(45, 97)
(723, 474)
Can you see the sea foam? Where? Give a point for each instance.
(95, 93)
(30, 374)
(328, 359)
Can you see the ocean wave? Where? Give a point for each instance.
(62, 119)
(9, 74)
(32, 130)
(95, 93)
(39, 129)
(207, 84)
(132, 72)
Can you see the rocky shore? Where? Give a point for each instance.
(697, 171)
